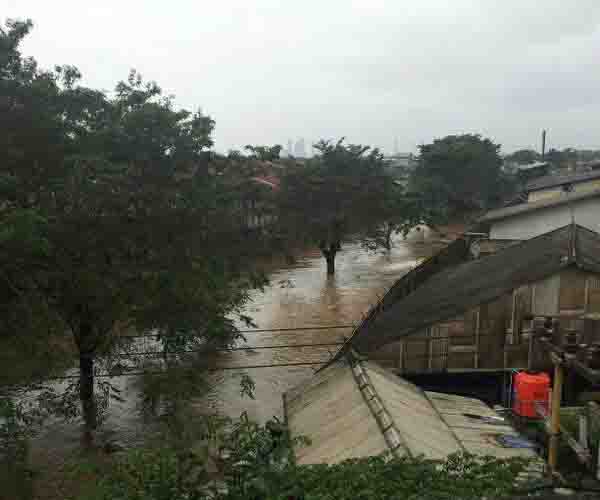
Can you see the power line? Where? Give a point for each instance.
(246, 332)
(214, 369)
(229, 349)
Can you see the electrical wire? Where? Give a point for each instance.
(278, 346)
(212, 369)
(227, 349)
(248, 332)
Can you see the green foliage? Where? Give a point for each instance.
(110, 220)
(340, 193)
(148, 474)
(523, 157)
(460, 173)
(264, 153)
(189, 460)
(15, 474)
(256, 462)
(460, 476)
(400, 211)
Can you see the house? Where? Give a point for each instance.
(466, 247)
(475, 315)
(546, 210)
(355, 409)
(552, 186)
(548, 202)
(528, 171)
(257, 202)
(256, 182)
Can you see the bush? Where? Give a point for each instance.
(15, 475)
(255, 463)
(461, 476)
(150, 474)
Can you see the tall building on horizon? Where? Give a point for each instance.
(299, 149)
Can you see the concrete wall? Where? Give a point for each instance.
(531, 224)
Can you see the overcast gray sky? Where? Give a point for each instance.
(370, 70)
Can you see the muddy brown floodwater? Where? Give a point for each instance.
(300, 295)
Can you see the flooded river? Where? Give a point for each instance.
(300, 295)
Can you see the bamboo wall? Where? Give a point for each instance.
(495, 335)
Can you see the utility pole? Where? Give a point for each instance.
(555, 414)
(543, 144)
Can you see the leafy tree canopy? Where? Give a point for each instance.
(400, 211)
(333, 196)
(264, 153)
(523, 157)
(461, 173)
(111, 219)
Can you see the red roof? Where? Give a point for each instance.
(269, 180)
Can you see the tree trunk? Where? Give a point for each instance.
(329, 253)
(85, 344)
(330, 258)
(388, 237)
(86, 394)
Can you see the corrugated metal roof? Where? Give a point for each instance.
(455, 290)
(475, 435)
(362, 410)
(331, 411)
(511, 211)
(548, 181)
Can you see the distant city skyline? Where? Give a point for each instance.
(392, 147)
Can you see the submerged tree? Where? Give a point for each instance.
(400, 211)
(335, 196)
(111, 219)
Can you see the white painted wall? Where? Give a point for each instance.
(531, 224)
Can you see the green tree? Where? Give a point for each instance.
(111, 221)
(461, 173)
(523, 157)
(264, 153)
(337, 195)
(400, 211)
